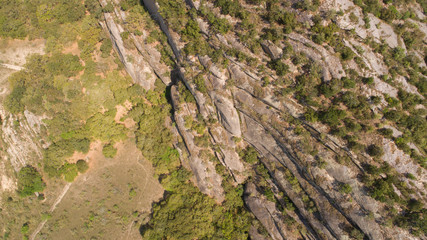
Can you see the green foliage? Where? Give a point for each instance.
(55, 155)
(331, 88)
(350, 99)
(13, 101)
(310, 5)
(332, 116)
(188, 214)
(24, 229)
(272, 34)
(345, 188)
(386, 132)
(106, 48)
(220, 25)
(108, 8)
(229, 7)
(82, 166)
(94, 8)
(347, 54)
(65, 64)
(13, 19)
(199, 80)
(109, 150)
(323, 33)
(70, 171)
(383, 191)
(29, 181)
(191, 31)
(19, 19)
(153, 137)
(348, 82)
(280, 67)
(249, 155)
(90, 36)
(175, 12)
(368, 80)
(103, 127)
(310, 115)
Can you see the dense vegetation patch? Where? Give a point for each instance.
(29, 181)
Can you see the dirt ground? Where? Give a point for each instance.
(15, 51)
(108, 201)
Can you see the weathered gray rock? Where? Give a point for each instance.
(331, 64)
(227, 114)
(23, 140)
(403, 164)
(228, 157)
(265, 211)
(205, 176)
(135, 64)
(378, 29)
(271, 49)
(255, 235)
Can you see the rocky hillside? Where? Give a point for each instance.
(316, 107)
(262, 119)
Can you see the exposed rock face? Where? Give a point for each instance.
(331, 64)
(265, 211)
(378, 29)
(227, 114)
(21, 136)
(372, 60)
(206, 178)
(272, 50)
(142, 63)
(240, 106)
(229, 157)
(403, 163)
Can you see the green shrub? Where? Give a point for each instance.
(249, 155)
(186, 213)
(310, 115)
(13, 101)
(347, 54)
(348, 82)
(332, 116)
(368, 80)
(280, 67)
(65, 64)
(386, 132)
(345, 188)
(191, 31)
(106, 48)
(200, 83)
(350, 99)
(70, 171)
(375, 151)
(82, 166)
(331, 88)
(29, 181)
(24, 229)
(109, 150)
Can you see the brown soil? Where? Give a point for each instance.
(106, 201)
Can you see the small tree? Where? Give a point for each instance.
(29, 181)
(375, 151)
(82, 166)
(70, 171)
(109, 151)
(249, 155)
(345, 188)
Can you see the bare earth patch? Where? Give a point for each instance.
(108, 200)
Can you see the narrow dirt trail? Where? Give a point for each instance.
(52, 208)
(13, 67)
